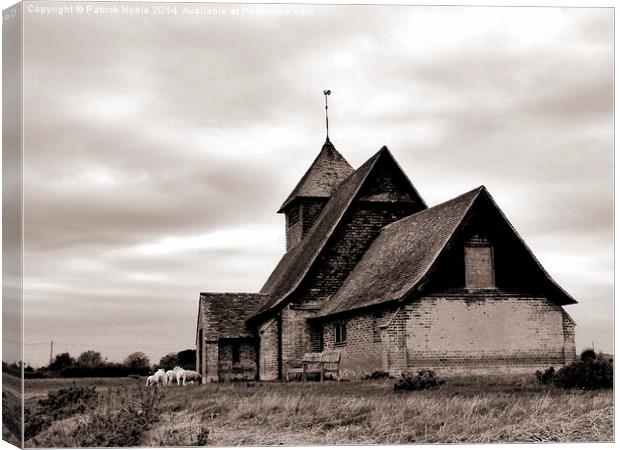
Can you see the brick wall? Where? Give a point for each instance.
(346, 248)
(459, 333)
(245, 368)
(486, 333)
(568, 327)
(268, 350)
(363, 351)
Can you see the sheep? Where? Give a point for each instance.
(171, 375)
(188, 376)
(157, 378)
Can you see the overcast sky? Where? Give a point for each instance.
(159, 147)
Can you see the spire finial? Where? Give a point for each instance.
(326, 92)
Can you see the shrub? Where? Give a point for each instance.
(545, 377)
(123, 428)
(588, 354)
(67, 402)
(58, 405)
(424, 379)
(34, 423)
(586, 373)
(377, 375)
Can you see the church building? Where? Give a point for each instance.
(394, 285)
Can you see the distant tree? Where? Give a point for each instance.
(588, 354)
(187, 358)
(169, 361)
(137, 360)
(90, 358)
(61, 361)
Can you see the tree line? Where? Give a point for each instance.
(92, 364)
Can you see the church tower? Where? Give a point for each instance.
(305, 203)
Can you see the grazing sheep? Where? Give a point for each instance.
(188, 376)
(159, 377)
(150, 380)
(171, 375)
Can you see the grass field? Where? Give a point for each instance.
(491, 409)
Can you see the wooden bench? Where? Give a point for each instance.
(321, 363)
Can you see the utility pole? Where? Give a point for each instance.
(51, 351)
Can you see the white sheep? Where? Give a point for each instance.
(158, 377)
(185, 376)
(171, 375)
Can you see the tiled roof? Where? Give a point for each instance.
(402, 256)
(327, 171)
(226, 313)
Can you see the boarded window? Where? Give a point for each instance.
(479, 271)
(340, 332)
(236, 353)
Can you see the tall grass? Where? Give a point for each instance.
(471, 409)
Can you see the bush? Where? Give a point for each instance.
(587, 355)
(67, 402)
(58, 405)
(424, 379)
(545, 377)
(586, 373)
(122, 428)
(377, 375)
(34, 423)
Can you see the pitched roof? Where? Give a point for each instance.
(296, 263)
(227, 312)
(401, 258)
(327, 171)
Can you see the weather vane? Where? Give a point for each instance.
(326, 93)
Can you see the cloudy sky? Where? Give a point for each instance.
(159, 147)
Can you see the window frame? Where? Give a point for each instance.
(340, 332)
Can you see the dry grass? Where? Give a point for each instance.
(470, 409)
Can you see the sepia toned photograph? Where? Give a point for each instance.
(231, 224)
